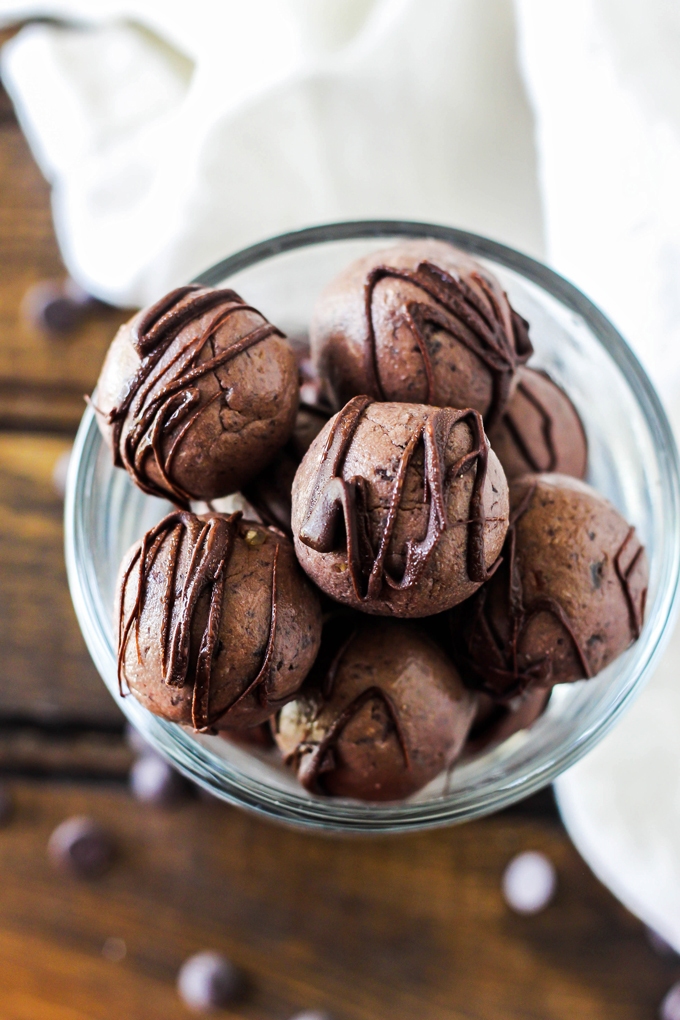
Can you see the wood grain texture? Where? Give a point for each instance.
(42, 378)
(412, 928)
(45, 670)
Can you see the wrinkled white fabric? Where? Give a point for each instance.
(604, 81)
(171, 141)
(250, 119)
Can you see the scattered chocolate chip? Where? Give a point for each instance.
(114, 950)
(60, 473)
(56, 306)
(154, 781)
(312, 1014)
(529, 882)
(207, 981)
(670, 1007)
(659, 944)
(82, 847)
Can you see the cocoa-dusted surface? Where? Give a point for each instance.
(221, 628)
(420, 322)
(540, 429)
(196, 395)
(270, 494)
(397, 510)
(387, 715)
(568, 598)
(495, 721)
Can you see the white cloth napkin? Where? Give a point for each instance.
(253, 118)
(604, 80)
(171, 141)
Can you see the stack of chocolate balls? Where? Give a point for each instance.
(419, 561)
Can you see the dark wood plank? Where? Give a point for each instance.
(42, 379)
(45, 671)
(408, 927)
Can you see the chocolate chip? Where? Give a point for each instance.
(56, 306)
(670, 1007)
(114, 950)
(82, 847)
(529, 882)
(312, 1014)
(60, 473)
(154, 781)
(207, 981)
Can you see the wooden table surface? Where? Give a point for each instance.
(396, 927)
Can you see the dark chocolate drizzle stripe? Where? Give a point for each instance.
(515, 680)
(332, 496)
(635, 615)
(176, 404)
(206, 572)
(546, 431)
(313, 759)
(457, 305)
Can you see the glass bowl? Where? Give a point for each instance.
(633, 461)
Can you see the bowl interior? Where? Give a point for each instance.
(632, 460)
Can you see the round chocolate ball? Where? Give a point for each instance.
(384, 715)
(421, 322)
(197, 394)
(540, 430)
(399, 509)
(496, 721)
(217, 624)
(568, 597)
(270, 494)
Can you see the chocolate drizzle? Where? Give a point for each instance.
(333, 501)
(213, 543)
(505, 677)
(546, 431)
(313, 759)
(162, 401)
(473, 317)
(498, 672)
(625, 574)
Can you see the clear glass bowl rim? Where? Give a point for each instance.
(212, 772)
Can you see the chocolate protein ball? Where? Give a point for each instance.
(420, 322)
(196, 395)
(540, 429)
(399, 509)
(217, 624)
(270, 494)
(568, 597)
(495, 721)
(386, 714)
